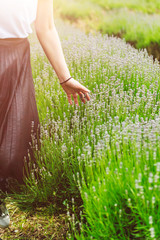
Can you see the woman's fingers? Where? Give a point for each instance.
(69, 99)
(73, 87)
(87, 96)
(75, 98)
(84, 89)
(84, 96)
(81, 97)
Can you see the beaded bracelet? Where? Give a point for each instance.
(66, 80)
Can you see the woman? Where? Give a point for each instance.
(18, 109)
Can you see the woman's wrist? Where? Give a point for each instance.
(66, 80)
(63, 77)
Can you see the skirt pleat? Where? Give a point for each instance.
(18, 110)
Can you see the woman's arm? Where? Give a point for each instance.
(49, 39)
(50, 42)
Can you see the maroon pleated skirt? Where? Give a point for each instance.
(18, 110)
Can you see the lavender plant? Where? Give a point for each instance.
(105, 152)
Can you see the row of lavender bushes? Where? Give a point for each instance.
(99, 161)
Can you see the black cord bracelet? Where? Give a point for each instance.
(66, 80)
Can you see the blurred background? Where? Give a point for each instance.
(138, 21)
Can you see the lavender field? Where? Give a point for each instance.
(99, 162)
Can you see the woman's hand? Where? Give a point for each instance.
(74, 87)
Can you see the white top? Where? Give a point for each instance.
(16, 17)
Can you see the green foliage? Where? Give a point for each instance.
(116, 196)
(146, 6)
(136, 21)
(75, 9)
(103, 157)
(134, 27)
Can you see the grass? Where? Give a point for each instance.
(138, 29)
(98, 166)
(146, 6)
(136, 21)
(35, 224)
